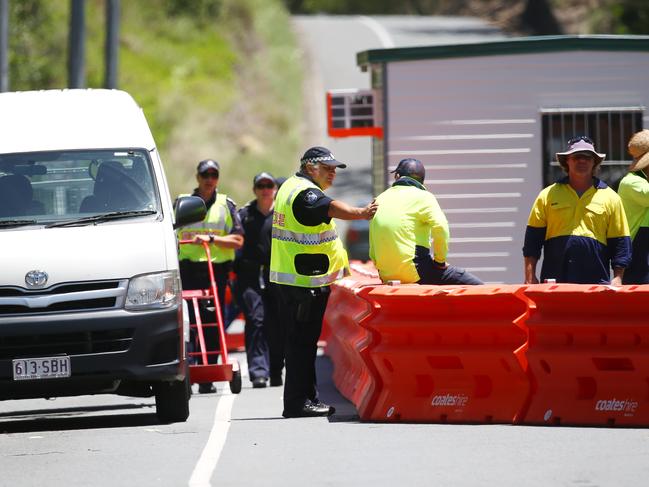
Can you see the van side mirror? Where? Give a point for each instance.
(189, 209)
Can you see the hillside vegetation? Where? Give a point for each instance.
(216, 78)
(528, 17)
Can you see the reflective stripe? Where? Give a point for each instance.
(286, 278)
(207, 227)
(282, 277)
(305, 238)
(297, 188)
(220, 225)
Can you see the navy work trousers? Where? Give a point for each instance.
(250, 300)
(430, 273)
(302, 311)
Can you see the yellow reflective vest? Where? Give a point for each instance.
(218, 222)
(290, 239)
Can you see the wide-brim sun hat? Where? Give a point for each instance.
(581, 144)
(639, 149)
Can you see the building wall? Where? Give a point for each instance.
(475, 123)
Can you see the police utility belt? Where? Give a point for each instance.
(252, 270)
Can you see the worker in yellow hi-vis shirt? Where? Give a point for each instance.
(579, 223)
(400, 233)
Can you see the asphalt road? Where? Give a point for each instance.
(242, 439)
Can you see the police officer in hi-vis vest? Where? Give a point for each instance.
(307, 256)
(222, 229)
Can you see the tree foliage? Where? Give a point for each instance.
(630, 17)
(37, 45)
(537, 17)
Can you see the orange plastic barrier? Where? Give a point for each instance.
(349, 343)
(448, 354)
(588, 354)
(363, 271)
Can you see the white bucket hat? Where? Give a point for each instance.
(579, 144)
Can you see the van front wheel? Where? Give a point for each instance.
(172, 400)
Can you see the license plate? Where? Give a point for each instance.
(41, 368)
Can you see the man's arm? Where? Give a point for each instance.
(618, 274)
(342, 211)
(619, 242)
(530, 270)
(439, 230)
(231, 241)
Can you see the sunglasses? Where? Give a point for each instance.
(574, 140)
(264, 186)
(210, 175)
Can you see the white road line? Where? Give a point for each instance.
(215, 443)
(380, 31)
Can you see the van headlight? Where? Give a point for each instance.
(153, 291)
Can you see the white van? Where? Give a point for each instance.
(89, 287)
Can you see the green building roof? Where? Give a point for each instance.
(518, 45)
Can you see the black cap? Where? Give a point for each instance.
(413, 168)
(321, 155)
(280, 180)
(206, 165)
(264, 176)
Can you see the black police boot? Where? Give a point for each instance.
(310, 410)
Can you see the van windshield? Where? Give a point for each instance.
(49, 187)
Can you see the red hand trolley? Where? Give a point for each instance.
(228, 370)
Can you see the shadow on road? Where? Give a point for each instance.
(76, 418)
(345, 410)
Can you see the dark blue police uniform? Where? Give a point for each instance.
(255, 295)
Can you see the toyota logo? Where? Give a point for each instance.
(36, 278)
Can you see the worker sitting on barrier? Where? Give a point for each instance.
(400, 233)
(579, 223)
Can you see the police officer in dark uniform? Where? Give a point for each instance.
(263, 336)
(307, 257)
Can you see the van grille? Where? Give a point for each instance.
(76, 343)
(66, 297)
